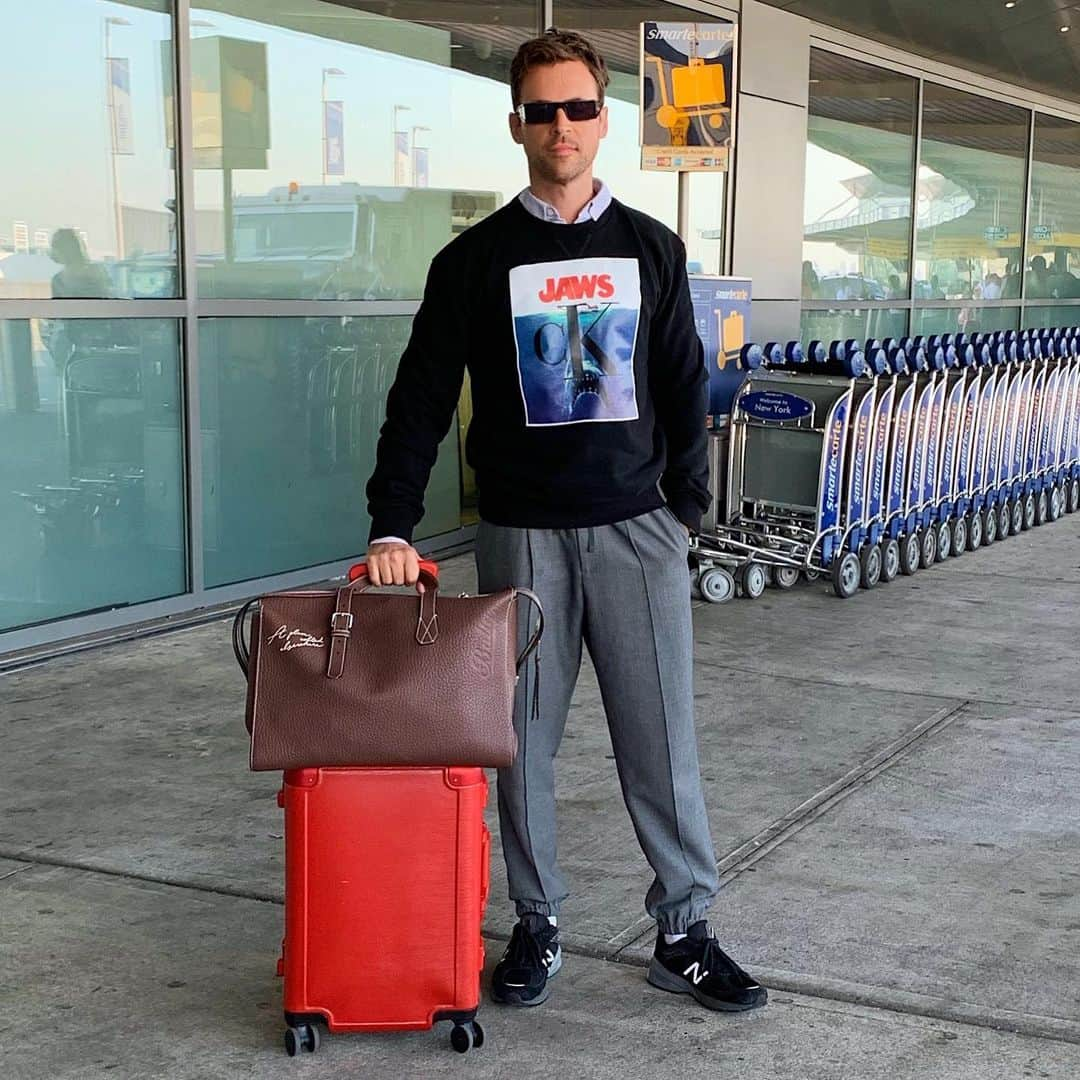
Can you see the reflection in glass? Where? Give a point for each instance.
(1061, 315)
(705, 242)
(859, 170)
(971, 197)
(1054, 213)
(971, 319)
(88, 199)
(91, 480)
(291, 411)
(337, 149)
(859, 324)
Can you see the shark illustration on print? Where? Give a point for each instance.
(575, 328)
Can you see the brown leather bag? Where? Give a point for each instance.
(351, 677)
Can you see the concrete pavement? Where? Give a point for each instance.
(893, 786)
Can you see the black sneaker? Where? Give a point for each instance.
(531, 958)
(697, 965)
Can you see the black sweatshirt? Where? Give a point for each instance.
(588, 378)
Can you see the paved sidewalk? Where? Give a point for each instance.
(894, 791)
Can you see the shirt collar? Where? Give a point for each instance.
(591, 211)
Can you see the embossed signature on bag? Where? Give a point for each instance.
(295, 639)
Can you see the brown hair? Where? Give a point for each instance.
(554, 47)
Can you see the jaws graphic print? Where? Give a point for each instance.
(575, 326)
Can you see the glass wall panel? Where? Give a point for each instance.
(705, 242)
(291, 411)
(1054, 214)
(91, 466)
(860, 161)
(87, 190)
(1059, 315)
(860, 324)
(338, 149)
(969, 320)
(971, 197)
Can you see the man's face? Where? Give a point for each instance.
(561, 151)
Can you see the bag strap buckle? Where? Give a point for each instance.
(341, 624)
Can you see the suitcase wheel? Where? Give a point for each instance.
(301, 1037)
(466, 1037)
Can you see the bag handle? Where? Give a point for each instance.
(534, 641)
(341, 622)
(239, 642)
(431, 569)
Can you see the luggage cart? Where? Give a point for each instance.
(789, 441)
(1070, 451)
(1001, 403)
(868, 443)
(932, 520)
(1052, 495)
(951, 509)
(909, 512)
(864, 460)
(969, 503)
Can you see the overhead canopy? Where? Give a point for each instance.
(1022, 45)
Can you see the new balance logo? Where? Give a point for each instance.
(695, 974)
(549, 958)
(577, 287)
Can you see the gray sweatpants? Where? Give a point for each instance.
(622, 589)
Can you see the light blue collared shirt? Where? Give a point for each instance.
(591, 211)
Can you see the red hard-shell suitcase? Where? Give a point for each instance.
(386, 879)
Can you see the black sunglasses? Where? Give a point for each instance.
(543, 112)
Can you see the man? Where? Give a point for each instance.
(572, 313)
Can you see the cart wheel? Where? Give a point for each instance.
(716, 585)
(944, 541)
(695, 577)
(1010, 515)
(1042, 508)
(959, 537)
(785, 577)
(928, 548)
(890, 560)
(811, 575)
(311, 1043)
(988, 526)
(752, 579)
(292, 1041)
(869, 566)
(461, 1038)
(909, 554)
(1074, 497)
(477, 1035)
(1056, 498)
(1027, 519)
(845, 575)
(1017, 523)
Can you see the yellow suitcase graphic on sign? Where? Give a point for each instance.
(732, 329)
(697, 90)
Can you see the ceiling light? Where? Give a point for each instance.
(1011, 4)
(1064, 29)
